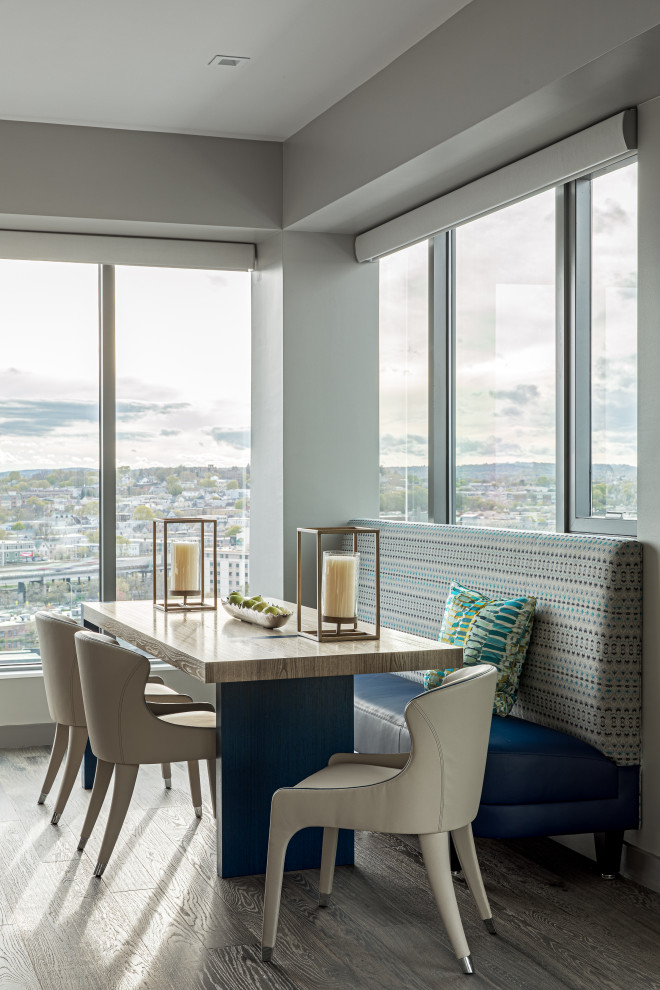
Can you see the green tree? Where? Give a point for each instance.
(233, 531)
(598, 497)
(143, 513)
(231, 485)
(174, 487)
(238, 504)
(18, 525)
(37, 507)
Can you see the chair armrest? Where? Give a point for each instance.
(162, 708)
(395, 760)
(155, 679)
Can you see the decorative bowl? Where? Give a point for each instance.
(257, 618)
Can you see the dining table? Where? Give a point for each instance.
(284, 705)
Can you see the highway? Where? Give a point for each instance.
(60, 570)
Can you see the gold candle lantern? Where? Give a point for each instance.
(337, 586)
(182, 542)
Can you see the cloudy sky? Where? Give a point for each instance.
(183, 366)
(505, 335)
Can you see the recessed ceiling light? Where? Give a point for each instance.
(231, 61)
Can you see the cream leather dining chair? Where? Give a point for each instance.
(433, 791)
(125, 732)
(65, 704)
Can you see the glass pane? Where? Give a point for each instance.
(183, 416)
(614, 344)
(49, 451)
(505, 367)
(404, 373)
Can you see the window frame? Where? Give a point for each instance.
(573, 366)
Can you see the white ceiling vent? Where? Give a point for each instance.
(231, 61)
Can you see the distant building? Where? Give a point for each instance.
(233, 570)
(17, 633)
(16, 551)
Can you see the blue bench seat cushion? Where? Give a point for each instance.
(527, 763)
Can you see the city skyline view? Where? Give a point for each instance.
(182, 361)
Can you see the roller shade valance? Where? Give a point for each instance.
(152, 252)
(597, 146)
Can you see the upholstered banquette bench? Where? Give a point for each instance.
(567, 759)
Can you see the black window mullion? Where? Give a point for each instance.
(581, 233)
(441, 467)
(107, 436)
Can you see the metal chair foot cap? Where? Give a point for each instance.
(324, 900)
(42, 797)
(466, 965)
(266, 953)
(608, 876)
(99, 869)
(490, 926)
(55, 819)
(198, 812)
(81, 845)
(168, 783)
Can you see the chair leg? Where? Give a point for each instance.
(328, 857)
(167, 775)
(210, 766)
(57, 752)
(125, 776)
(435, 850)
(464, 845)
(75, 751)
(277, 844)
(195, 787)
(99, 791)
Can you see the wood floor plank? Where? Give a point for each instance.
(16, 970)
(8, 812)
(240, 966)
(160, 918)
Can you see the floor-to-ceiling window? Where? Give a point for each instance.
(49, 445)
(182, 414)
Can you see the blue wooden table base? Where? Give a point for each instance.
(273, 734)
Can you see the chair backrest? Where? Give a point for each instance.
(449, 729)
(113, 681)
(60, 667)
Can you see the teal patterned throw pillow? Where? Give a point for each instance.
(490, 631)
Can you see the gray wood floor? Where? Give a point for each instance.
(160, 917)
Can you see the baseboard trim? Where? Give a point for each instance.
(642, 867)
(19, 736)
(636, 864)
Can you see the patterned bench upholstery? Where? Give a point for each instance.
(582, 676)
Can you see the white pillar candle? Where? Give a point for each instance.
(339, 587)
(184, 574)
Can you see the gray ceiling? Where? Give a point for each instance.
(144, 65)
